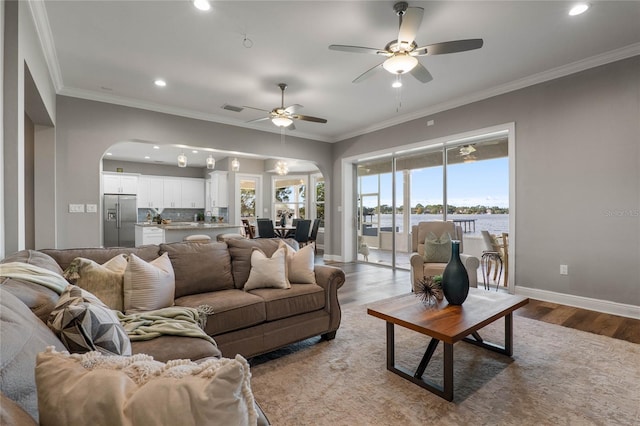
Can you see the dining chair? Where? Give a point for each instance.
(492, 257)
(314, 235)
(265, 228)
(249, 230)
(301, 234)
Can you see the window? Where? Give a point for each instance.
(317, 211)
(247, 198)
(290, 197)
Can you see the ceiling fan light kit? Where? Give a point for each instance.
(401, 53)
(281, 121)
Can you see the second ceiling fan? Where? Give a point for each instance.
(401, 53)
(283, 116)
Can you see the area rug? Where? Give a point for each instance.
(557, 376)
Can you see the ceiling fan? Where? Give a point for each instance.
(401, 53)
(283, 116)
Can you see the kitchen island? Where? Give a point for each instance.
(151, 233)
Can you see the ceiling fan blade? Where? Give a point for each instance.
(410, 24)
(368, 73)
(450, 47)
(293, 108)
(291, 126)
(258, 119)
(258, 109)
(309, 118)
(358, 49)
(421, 73)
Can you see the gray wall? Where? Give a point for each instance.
(577, 177)
(86, 129)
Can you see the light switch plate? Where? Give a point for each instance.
(76, 208)
(92, 208)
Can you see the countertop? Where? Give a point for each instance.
(188, 225)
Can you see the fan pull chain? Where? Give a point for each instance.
(398, 86)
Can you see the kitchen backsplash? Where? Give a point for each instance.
(183, 215)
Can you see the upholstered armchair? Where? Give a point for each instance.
(420, 268)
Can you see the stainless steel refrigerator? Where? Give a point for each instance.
(120, 217)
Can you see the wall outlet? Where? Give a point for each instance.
(76, 208)
(564, 270)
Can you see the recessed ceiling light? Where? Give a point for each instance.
(194, 151)
(109, 154)
(160, 83)
(202, 5)
(579, 9)
(156, 147)
(146, 157)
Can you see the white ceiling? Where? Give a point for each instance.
(113, 50)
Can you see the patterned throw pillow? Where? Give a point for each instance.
(91, 389)
(148, 285)
(437, 249)
(83, 323)
(268, 272)
(103, 281)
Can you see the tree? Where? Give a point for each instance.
(247, 202)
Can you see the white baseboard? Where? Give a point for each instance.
(332, 258)
(605, 306)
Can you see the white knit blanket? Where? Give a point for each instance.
(34, 274)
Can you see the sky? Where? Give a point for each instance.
(469, 184)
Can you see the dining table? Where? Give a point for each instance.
(284, 231)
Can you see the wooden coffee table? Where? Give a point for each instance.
(449, 324)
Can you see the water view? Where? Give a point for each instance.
(494, 223)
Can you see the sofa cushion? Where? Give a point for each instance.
(233, 309)
(240, 251)
(300, 299)
(268, 272)
(39, 299)
(165, 348)
(85, 324)
(104, 281)
(91, 389)
(148, 285)
(64, 257)
(11, 414)
(34, 258)
(199, 268)
(23, 336)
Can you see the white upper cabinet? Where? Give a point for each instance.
(172, 191)
(219, 189)
(151, 192)
(119, 183)
(192, 193)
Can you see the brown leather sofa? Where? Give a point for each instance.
(246, 323)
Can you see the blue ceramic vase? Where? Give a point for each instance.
(455, 281)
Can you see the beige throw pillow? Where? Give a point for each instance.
(92, 389)
(148, 286)
(300, 264)
(103, 281)
(268, 271)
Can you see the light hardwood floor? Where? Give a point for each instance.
(366, 283)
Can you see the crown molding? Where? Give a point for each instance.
(43, 29)
(182, 112)
(552, 74)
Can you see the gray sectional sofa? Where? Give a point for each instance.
(248, 323)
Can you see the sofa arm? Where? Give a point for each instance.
(331, 279)
(417, 269)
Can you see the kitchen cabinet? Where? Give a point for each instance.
(172, 192)
(151, 192)
(218, 194)
(192, 193)
(149, 235)
(119, 183)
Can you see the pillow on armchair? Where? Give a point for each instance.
(437, 249)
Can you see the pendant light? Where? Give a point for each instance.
(235, 165)
(281, 168)
(211, 162)
(182, 160)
